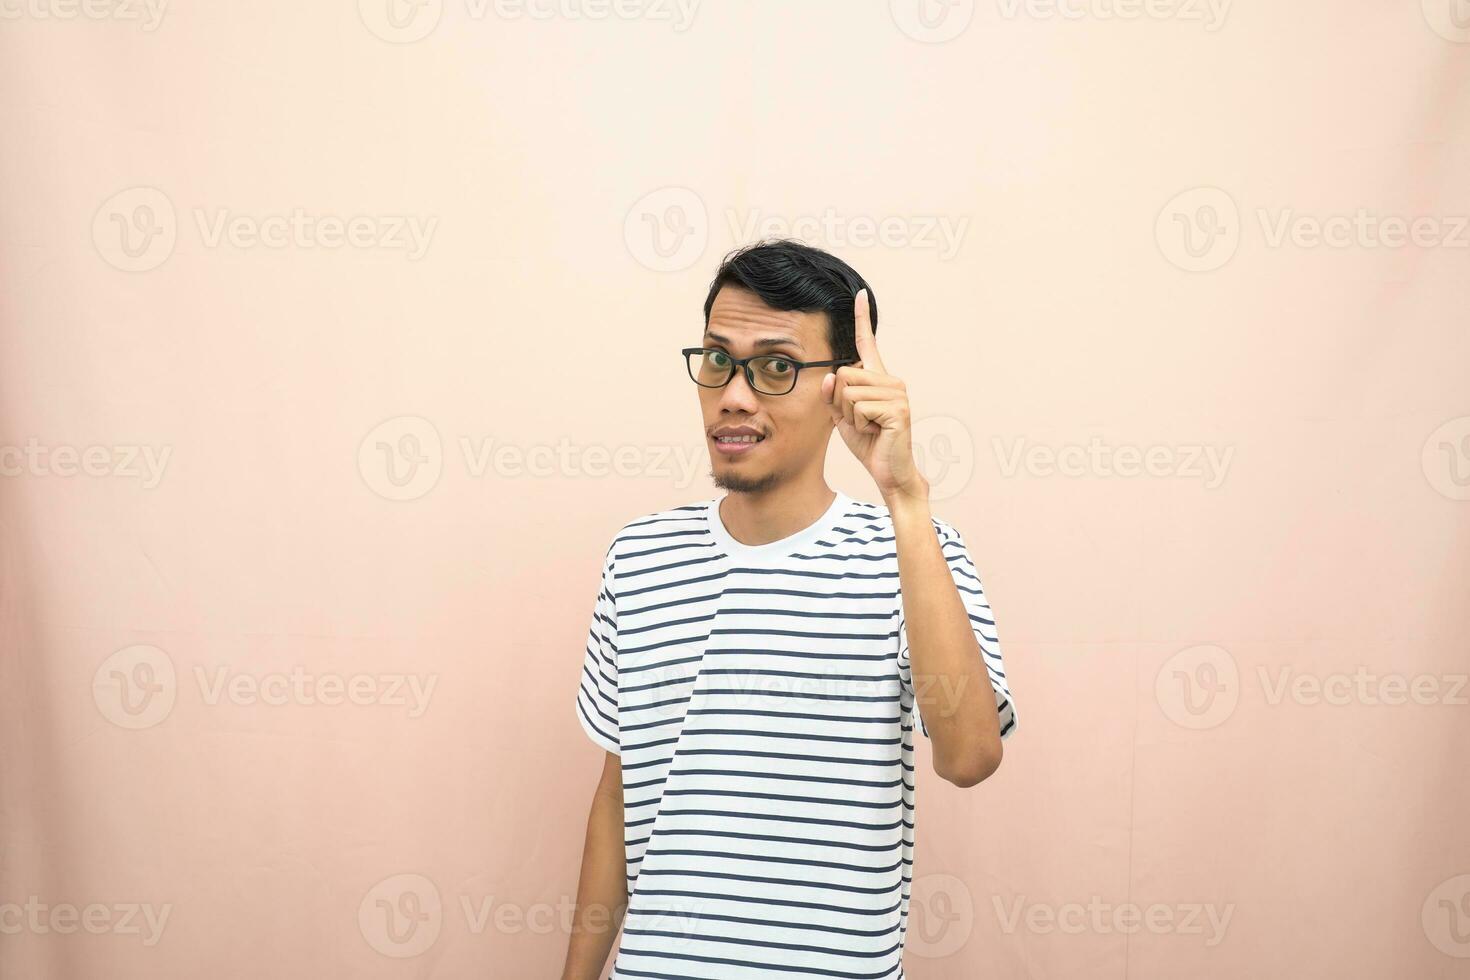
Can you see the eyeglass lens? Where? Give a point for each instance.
(773, 375)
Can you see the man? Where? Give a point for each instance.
(755, 661)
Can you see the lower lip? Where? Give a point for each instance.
(735, 448)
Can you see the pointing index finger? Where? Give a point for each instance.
(862, 333)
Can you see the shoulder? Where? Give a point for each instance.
(875, 517)
(647, 532)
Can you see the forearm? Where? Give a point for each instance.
(602, 890)
(951, 687)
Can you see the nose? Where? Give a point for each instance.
(738, 396)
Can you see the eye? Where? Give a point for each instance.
(717, 358)
(778, 365)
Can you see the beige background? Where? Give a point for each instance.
(235, 448)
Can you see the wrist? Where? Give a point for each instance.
(910, 501)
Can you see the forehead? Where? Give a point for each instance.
(743, 318)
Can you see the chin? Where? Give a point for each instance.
(742, 482)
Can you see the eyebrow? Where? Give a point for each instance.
(763, 344)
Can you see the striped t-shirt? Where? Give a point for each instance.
(761, 703)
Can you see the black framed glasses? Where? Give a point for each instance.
(769, 374)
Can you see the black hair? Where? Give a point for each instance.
(790, 275)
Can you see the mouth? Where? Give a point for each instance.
(736, 445)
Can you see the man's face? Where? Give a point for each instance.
(796, 426)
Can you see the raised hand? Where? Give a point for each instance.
(871, 410)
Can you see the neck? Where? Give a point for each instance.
(770, 515)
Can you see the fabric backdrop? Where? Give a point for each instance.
(337, 339)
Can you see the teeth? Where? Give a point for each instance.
(738, 438)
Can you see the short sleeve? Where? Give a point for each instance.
(982, 621)
(597, 695)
